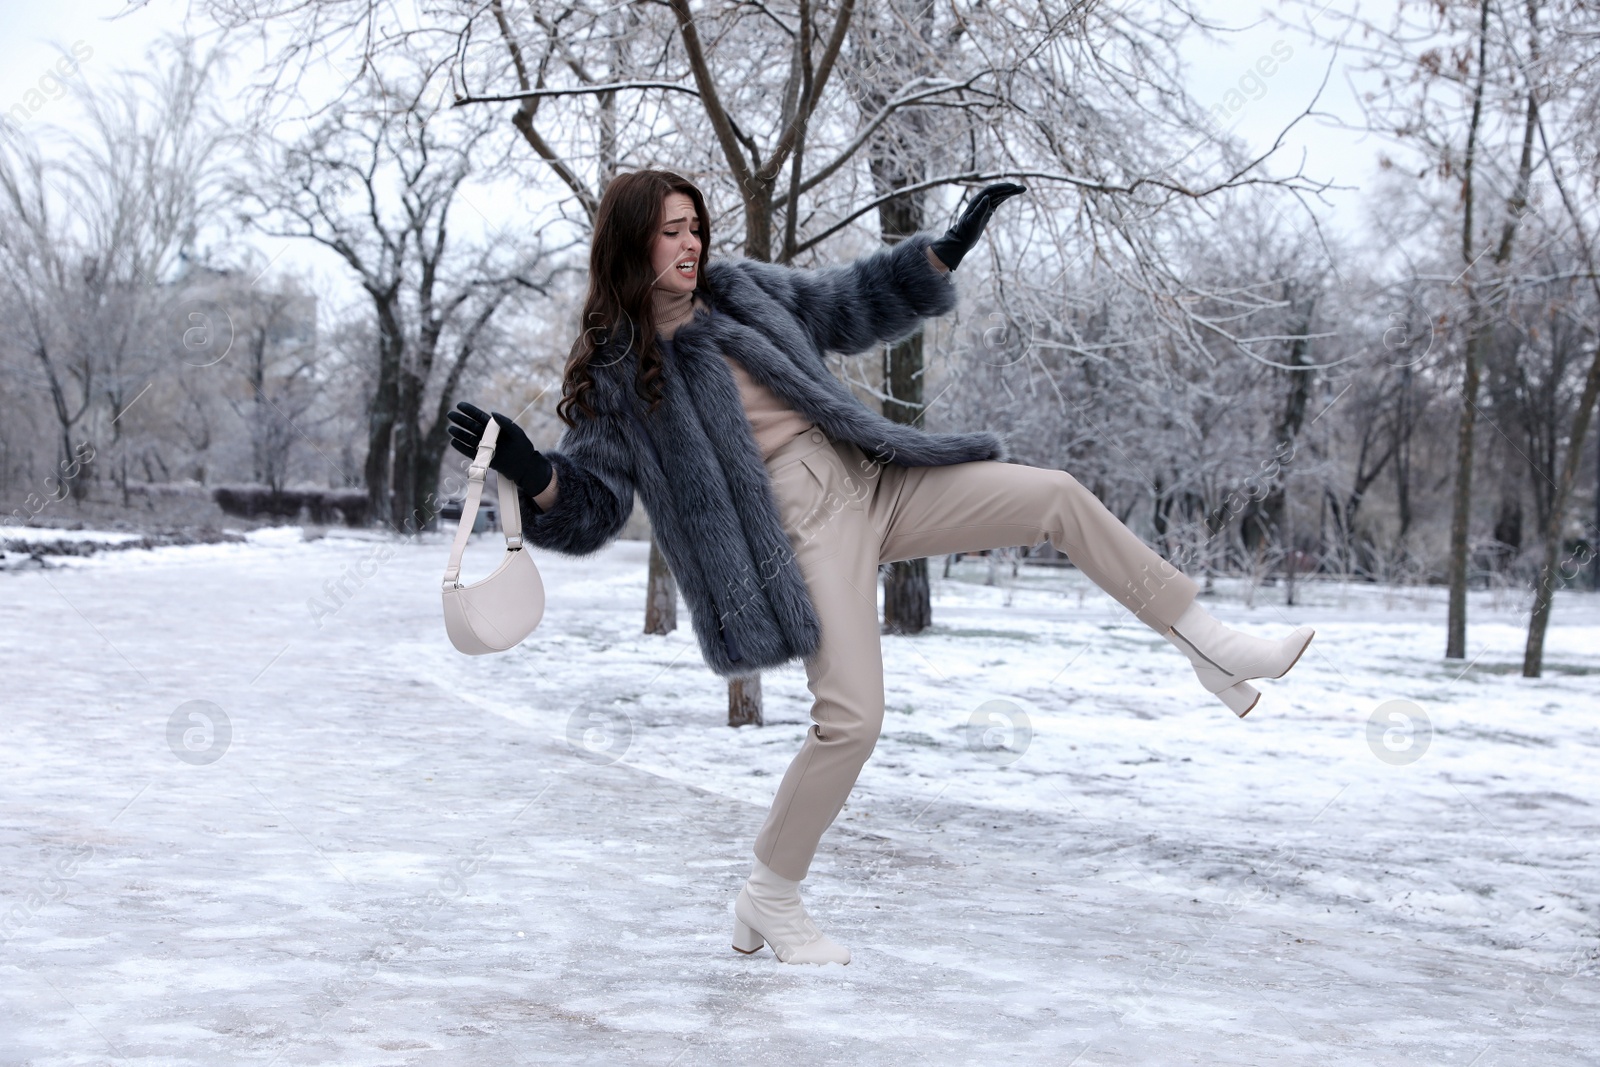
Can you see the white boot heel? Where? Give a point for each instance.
(1225, 660)
(745, 939)
(768, 909)
(1240, 698)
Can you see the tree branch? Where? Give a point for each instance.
(523, 121)
(708, 95)
(1233, 181)
(609, 87)
(819, 82)
(889, 108)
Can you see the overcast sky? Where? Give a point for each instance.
(35, 33)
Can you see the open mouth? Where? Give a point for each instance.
(686, 268)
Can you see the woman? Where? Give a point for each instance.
(774, 494)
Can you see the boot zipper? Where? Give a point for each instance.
(1202, 655)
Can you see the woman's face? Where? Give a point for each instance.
(675, 254)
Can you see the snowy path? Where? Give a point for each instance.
(399, 858)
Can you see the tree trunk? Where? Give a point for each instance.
(415, 478)
(661, 603)
(758, 219)
(1544, 590)
(430, 457)
(381, 414)
(744, 701)
(409, 516)
(1461, 508)
(64, 420)
(1461, 512)
(907, 604)
(1291, 556)
(1268, 517)
(1405, 423)
(1481, 328)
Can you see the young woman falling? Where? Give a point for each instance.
(774, 494)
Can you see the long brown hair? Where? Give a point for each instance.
(618, 307)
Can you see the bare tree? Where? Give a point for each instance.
(1456, 90)
(377, 182)
(90, 236)
(1576, 141)
(276, 345)
(42, 279)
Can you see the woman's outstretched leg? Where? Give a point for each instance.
(968, 507)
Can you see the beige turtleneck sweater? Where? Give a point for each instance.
(772, 422)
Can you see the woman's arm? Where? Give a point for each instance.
(594, 466)
(849, 308)
(547, 498)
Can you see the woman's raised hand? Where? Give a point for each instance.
(514, 455)
(959, 239)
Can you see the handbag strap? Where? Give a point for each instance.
(510, 512)
(510, 509)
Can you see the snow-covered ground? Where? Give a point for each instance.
(247, 820)
(45, 534)
(16, 541)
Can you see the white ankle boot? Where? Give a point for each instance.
(1225, 659)
(768, 909)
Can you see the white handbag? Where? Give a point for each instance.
(502, 609)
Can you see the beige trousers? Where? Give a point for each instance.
(845, 514)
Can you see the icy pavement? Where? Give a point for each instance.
(384, 852)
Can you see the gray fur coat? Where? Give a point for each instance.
(695, 462)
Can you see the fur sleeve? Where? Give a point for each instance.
(594, 469)
(880, 297)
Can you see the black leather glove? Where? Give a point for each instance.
(514, 455)
(959, 239)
